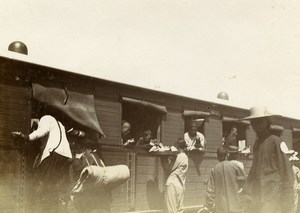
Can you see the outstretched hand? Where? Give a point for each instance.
(78, 133)
(19, 135)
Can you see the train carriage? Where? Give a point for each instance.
(108, 103)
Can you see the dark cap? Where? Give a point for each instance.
(180, 143)
(232, 149)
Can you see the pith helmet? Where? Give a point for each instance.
(19, 47)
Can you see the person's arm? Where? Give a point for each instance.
(210, 191)
(78, 165)
(286, 179)
(241, 174)
(42, 130)
(140, 141)
(168, 163)
(297, 177)
(202, 141)
(297, 171)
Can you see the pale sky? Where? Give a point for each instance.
(248, 48)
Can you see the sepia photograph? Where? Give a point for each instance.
(149, 106)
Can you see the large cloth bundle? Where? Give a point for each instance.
(96, 178)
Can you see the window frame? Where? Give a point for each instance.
(241, 125)
(193, 115)
(159, 110)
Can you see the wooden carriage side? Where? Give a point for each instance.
(144, 190)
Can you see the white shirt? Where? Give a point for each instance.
(49, 133)
(191, 141)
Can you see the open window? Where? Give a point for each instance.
(142, 116)
(197, 117)
(196, 144)
(234, 132)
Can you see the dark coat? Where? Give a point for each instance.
(269, 186)
(230, 141)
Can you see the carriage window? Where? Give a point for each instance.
(200, 122)
(141, 121)
(195, 117)
(234, 133)
(194, 134)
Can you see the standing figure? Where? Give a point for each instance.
(176, 169)
(90, 200)
(194, 139)
(223, 185)
(269, 186)
(51, 164)
(85, 155)
(296, 171)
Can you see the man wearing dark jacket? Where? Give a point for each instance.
(222, 189)
(269, 186)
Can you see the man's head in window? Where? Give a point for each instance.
(193, 130)
(233, 131)
(125, 128)
(147, 136)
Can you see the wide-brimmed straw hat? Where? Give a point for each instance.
(259, 112)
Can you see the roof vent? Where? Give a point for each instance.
(223, 95)
(18, 47)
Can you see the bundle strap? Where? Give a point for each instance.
(60, 137)
(95, 159)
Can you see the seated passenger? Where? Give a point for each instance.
(194, 139)
(145, 139)
(231, 140)
(127, 138)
